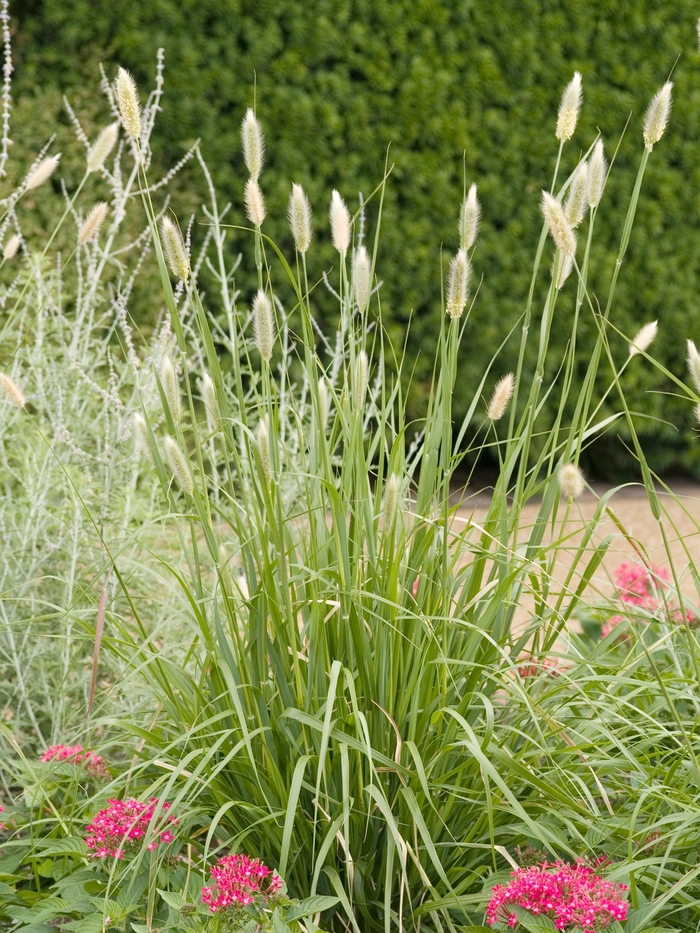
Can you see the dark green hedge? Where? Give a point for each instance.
(340, 80)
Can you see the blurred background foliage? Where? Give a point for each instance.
(455, 91)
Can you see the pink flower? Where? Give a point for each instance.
(638, 586)
(123, 825)
(610, 625)
(238, 880)
(76, 754)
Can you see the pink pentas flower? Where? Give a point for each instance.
(123, 826)
(573, 897)
(75, 754)
(238, 881)
(638, 586)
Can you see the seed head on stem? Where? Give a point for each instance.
(392, 494)
(179, 465)
(577, 199)
(299, 213)
(559, 226)
(171, 387)
(340, 223)
(569, 108)
(141, 436)
(644, 338)
(561, 269)
(11, 247)
(571, 481)
(264, 449)
(264, 323)
(362, 278)
(597, 175)
(469, 217)
(90, 228)
(501, 397)
(458, 284)
(174, 249)
(694, 364)
(254, 202)
(253, 143)
(128, 103)
(361, 378)
(42, 172)
(211, 404)
(657, 116)
(12, 391)
(101, 148)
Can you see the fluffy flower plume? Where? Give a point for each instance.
(577, 199)
(239, 881)
(211, 404)
(254, 202)
(179, 465)
(123, 826)
(561, 269)
(75, 754)
(101, 148)
(392, 494)
(128, 103)
(340, 223)
(644, 338)
(323, 402)
(299, 213)
(253, 143)
(573, 897)
(174, 248)
(569, 108)
(264, 449)
(92, 223)
(597, 174)
(360, 380)
(657, 116)
(694, 364)
(171, 387)
(571, 481)
(501, 397)
(458, 283)
(14, 394)
(11, 247)
(559, 226)
(264, 322)
(141, 436)
(469, 217)
(362, 278)
(42, 172)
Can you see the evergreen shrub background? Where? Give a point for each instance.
(461, 92)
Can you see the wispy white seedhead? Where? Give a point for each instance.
(254, 202)
(392, 496)
(179, 465)
(571, 481)
(657, 116)
(469, 217)
(101, 148)
(597, 174)
(340, 223)
(42, 172)
(569, 108)
(360, 380)
(697, 413)
(128, 102)
(174, 248)
(253, 143)
(694, 364)
(141, 436)
(577, 198)
(11, 247)
(458, 284)
(264, 449)
(561, 269)
(323, 402)
(264, 323)
(362, 278)
(644, 338)
(14, 394)
(91, 225)
(211, 404)
(559, 226)
(501, 397)
(300, 218)
(171, 387)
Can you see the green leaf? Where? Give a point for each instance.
(533, 924)
(173, 899)
(73, 845)
(311, 905)
(278, 924)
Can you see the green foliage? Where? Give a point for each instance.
(340, 81)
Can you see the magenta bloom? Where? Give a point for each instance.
(76, 754)
(123, 826)
(238, 881)
(637, 586)
(574, 897)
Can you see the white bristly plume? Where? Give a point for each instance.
(644, 338)
(577, 198)
(501, 397)
(14, 394)
(101, 148)
(92, 223)
(171, 387)
(458, 284)
(323, 402)
(571, 481)
(128, 103)
(11, 247)
(561, 269)
(253, 144)
(300, 218)
(469, 217)
(340, 223)
(174, 249)
(362, 278)
(559, 226)
(392, 494)
(697, 412)
(141, 436)
(694, 364)
(657, 116)
(569, 108)
(179, 465)
(43, 172)
(361, 378)
(254, 202)
(211, 405)
(264, 449)
(597, 174)
(264, 324)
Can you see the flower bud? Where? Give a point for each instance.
(211, 404)
(360, 380)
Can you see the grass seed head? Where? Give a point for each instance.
(323, 402)
(362, 278)
(694, 364)
(101, 148)
(561, 269)
(42, 172)
(597, 174)
(264, 323)
(501, 397)
(299, 213)
(11, 247)
(577, 198)
(264, 449)
(644, 338)
(171, 387)
(253, 143)
(254, 203)
(360, 380)
(392, 495)
(179, 465)
(211, 405)
(91, 225)
(174, 249)
(458, 283)
(569, 108)
(657, 116)
(141, 436)
(340, 223)
(469, 217)
(14, 394)
(560, 228)
(128, 103)
(571, 481)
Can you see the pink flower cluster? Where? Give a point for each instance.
(122, 825)
(545, 666)
(637, 586)
(574, 897)
(238, 881)
(76, 754)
